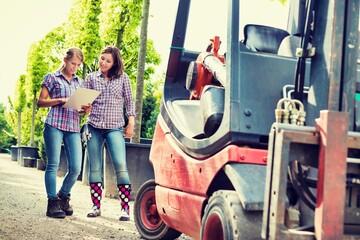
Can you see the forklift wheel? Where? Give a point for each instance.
(147, 220)
(224, 218)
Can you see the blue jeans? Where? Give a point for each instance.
(115, 142)
(54, 138)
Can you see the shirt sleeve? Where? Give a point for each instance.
(128, 100)
(49, 82)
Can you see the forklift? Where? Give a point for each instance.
(262, 141)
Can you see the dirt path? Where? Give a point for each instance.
(23, 205)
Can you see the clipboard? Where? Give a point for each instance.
(82, 96)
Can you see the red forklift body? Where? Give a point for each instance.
(186, 180)
(257, 142)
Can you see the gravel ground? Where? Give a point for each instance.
(23, 205)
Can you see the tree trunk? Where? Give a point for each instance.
(121, 30)
(119, 39)
(19, 128)
(141, 69)
(32, 142)
(84, 71)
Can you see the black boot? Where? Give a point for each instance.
(53, 208)
(64, 204)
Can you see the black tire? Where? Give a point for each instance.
(224, 218)
(147, 220)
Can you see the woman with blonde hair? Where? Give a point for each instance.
(62, 125)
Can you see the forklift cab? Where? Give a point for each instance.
(260, 70)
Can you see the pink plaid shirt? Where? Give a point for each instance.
(107, 109)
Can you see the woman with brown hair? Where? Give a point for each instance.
(106, 124)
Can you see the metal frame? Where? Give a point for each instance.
(310, 146)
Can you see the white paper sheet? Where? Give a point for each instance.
(82, 96)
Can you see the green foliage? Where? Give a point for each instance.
(83, 29)
(44, 56)
(283, 2)
(130, 55)
(53, 48)
(20, 102)
(36, 69)
(109, 21)
(119, 21)
(7, 136)
(75, 25)
(90, 40)
(10, 116)
(151, 108)
(91, 26)
(20, 94)
(26, 116)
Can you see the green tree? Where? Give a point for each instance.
(53, 47)
(44, 56)
(53, 50)
(20, 103)
(150, 110)
(75, 25)
(37, 67)
(11, 117)
(119, 21)
(91, 43)
(7, 137)
(83, 28)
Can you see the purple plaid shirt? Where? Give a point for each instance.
(107, 109)
(62, 118)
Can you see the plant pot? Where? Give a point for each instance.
(14, 153)
(28, 162)
(40, 164)
(26, 151)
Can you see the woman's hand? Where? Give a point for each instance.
(129, 129)
(85, 109)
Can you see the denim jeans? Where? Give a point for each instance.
(115, 142)
(54, 138)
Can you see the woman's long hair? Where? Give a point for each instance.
(118, 68)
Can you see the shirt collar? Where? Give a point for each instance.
(99, 74)
(58, 74)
